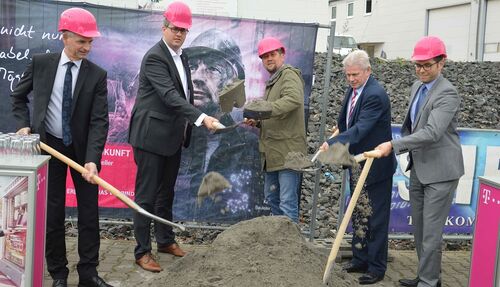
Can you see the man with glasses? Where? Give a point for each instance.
(429, 134)
(160, 126)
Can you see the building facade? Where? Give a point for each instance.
(390, 28)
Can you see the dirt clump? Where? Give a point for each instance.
(297, 161)
(264, 251)
(212, 183)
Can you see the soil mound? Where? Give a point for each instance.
(265, 251)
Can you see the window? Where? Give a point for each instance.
(334, 12)
(368, 7)
(350, 9)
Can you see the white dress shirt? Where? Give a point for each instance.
(182, 73)
(53, 118)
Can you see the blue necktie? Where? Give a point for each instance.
(422, 94)
(66, 104)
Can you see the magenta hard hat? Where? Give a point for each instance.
(179, 15)
(427, 48)
(79, 21)
(269, 44)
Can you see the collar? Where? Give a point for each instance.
(430, 84)
(64, 59)
(360, 89)
(172, 52)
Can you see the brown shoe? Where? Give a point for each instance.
(147, 262)
(173, 249)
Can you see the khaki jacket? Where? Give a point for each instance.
(285, 131)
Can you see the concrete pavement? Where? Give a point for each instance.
(117, 265)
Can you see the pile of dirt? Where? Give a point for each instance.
(265, 251)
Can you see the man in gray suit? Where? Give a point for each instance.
(429, 134)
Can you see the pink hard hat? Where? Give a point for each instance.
(79, 21)
(179, 15)
(269, 44)
(428, 48)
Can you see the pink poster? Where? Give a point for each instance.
(485, 237)
(118, 169)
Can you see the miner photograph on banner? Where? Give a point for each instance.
(226, 73)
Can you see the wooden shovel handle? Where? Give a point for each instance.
(101, 182)
(345, 220)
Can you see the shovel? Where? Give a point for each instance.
(102, 183)
(368, 156)
(220, 128)
(335, 133)
(299, 162)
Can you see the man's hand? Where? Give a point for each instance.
(24, 131)
(385, 148)
(250, 122)
(324, 147)
(91, 170)
(210, 123)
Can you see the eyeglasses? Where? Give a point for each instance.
(177, 30)
(426, 66)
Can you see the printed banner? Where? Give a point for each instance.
(220, 50)
(481, 152)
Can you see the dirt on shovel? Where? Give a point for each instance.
(338, 154)
(297, 161)
(212, 183)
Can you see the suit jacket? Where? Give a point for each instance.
(434, 143)
(161, 111)
(89, 117)
(370, 126)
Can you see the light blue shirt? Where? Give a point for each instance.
(413, 111)
(53, 118)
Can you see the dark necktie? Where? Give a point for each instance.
(66, 104)
(353, 104)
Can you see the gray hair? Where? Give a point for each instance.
(357, 58)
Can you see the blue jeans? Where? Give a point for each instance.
(281, 189)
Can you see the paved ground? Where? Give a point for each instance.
(117, 265)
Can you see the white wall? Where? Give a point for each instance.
(395, 25)
(492, 33)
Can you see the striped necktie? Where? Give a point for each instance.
(353, 102)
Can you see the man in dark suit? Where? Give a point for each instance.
(365, 122)
(70, 113)
(160, 125)
(429, 134)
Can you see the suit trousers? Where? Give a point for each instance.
(88, 217)
(374, 245)
(154, 191)
(430, 206)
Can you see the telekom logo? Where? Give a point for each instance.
(486, 196)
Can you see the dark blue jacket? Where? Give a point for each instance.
(370, 125)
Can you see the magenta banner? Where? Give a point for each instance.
(221, 50)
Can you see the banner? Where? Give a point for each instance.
(481, 153)
(221, 50)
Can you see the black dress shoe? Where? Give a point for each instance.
(409, 282)
(60, 283)
(413, 282)
(94, 281)
(351, 268)
(370, 278)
